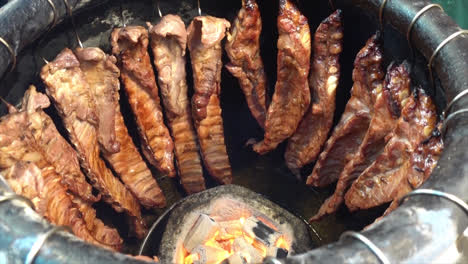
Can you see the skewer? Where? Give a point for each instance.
(199, 8)
(70, 14)
(332, 4)
(159, 9)
(381, 15)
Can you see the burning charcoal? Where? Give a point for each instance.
(262, 234)
(232, 228)
(251, 254)
(277, 252)
(203, 229)
(235, 259)
(208, 255)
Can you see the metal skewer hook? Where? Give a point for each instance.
(70, 14)
(199, 8)
(159, 9)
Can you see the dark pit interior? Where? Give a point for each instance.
(267, 175)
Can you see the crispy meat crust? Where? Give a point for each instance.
(352, 127)
(168, 43)
(66, 84)
(243, 49)
(130, 46)
(380, 181)
(31, 173)
(205, 34)
(292, 94)
(56, 149)
(387, 108)
(103, 77)
(306, 143)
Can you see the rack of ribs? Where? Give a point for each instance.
(387, 109)
(117, 146)
(205, 34)
(169, 43)
(29, 171)
(291, 98)
(67, 85)
(243, 50)
(381, 181)
(418, 169)
(56, 148)
(352, 127)
(130, 46)
(306, 143)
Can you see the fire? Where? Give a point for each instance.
(281, 243)
(231, 240)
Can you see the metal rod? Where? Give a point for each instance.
(40, 243)
(158, 8)
(454, 100)
(199, 8)
(332, 4)
(450, 117)
(70, 14)
(381, 14)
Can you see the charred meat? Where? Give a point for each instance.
(292, 94)
(243, 49)
(67, 85)
(169, 43)
(130, 46)
(205, 34)
(117, 146)
(380, 182)
(306, 143)
(352, 127)
(387, 108)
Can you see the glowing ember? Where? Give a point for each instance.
(245, 240)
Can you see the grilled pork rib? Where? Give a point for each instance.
(387, 108)
(380, 182)
(416, 171)
(130, 46)
(292, 94)
(205, 34)
(243, 49)
(103, 78)
(306, 143)
(352, 127)
(56, 149)
(31, 172)
(67, 85)
(57, 205)
(169, 43)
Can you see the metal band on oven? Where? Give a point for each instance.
(369, 244)
(13, 196)
(452, 198)
(39, 243)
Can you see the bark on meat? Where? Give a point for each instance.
(306, 143)
(102, 75)
(243, 49)
(169, 43)
(292, 94)
(130, 46)
(380, 182)
(66, 84)
(387, 108)
(205, 34)
(347, 136)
